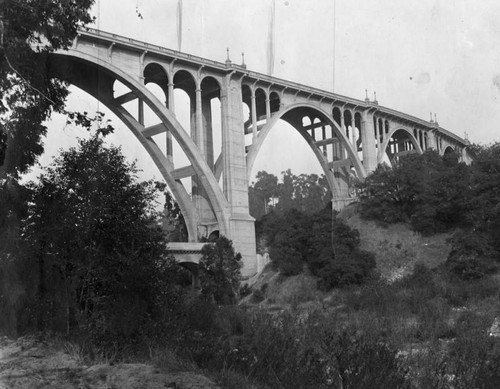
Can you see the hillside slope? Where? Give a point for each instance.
(397, 248)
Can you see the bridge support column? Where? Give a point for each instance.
(202, 136)
(171, 107)
(241, 224)
(369, 147)
(254, 116)
(431, 139)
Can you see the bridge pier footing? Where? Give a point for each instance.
(243, 237)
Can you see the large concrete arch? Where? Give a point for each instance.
(388, 137)
(98, 83)
(264, 132)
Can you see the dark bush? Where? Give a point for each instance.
(430, 193)
(288, 260)
(258, 296)
(472, 256)
(220, 271)
(245, 290)
(345, 270)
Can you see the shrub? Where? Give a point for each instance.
(257, 296)
(245, 290)
(220, 271)
(472, 256)
(352, 269)
(288, 260)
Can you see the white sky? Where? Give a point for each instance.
(420, 56)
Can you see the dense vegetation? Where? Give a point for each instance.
(437, 194)
(307, 193)
(82, 253)
(299, 241)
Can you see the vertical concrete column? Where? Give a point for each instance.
(268, 106)
(254, 116)
(171, 107)
(342, 121)
(140, 111)
(431, 140)
(171, 99)
(463, 155)
(377, 135)
(324, 137)
(206, 109)
(235, 179)
(200, 197)
(353, 128)
(369, 150)
(200, 136)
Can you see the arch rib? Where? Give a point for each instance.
(216, 197)
(255, 148)
(264, 132)
(384, 145)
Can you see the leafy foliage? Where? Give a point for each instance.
(29, 85)
(297, 240)
(476, 249)
(173, 221)
(95, 240)
(307, 193)
(220, 271)
(430, 193)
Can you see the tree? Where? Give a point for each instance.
(95, 239)
(29, 86)
(476, 248)
(298, 240)
(263, 194)
(173, 220)
(30, 91)
(424, 190)
(307, 193)
(286, 192)
(220, 270)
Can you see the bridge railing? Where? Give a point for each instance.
(285, 84)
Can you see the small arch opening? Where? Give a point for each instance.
(401, 143)
(260, 103)
(274, 102)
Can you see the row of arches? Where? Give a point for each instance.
(259, 104)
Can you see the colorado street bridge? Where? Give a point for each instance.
(349, 137)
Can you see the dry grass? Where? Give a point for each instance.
(397, 248)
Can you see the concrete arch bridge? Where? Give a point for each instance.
(348, 136)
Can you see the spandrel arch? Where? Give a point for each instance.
(398, 142)
(294, 115)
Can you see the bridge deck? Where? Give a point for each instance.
(144, 47)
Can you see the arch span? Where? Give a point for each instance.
(96, 77)
(293, 114)
(408, 133)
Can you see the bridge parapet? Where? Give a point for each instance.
(185, 251)
(284, 88)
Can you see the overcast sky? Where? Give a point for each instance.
(420, 56)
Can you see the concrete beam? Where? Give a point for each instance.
(315, 125)
(126, 98)
(148, 132)
(403, 153)
(183, 172)
(326, 142)
(340, 163)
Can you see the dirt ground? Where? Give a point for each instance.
(27, 363)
